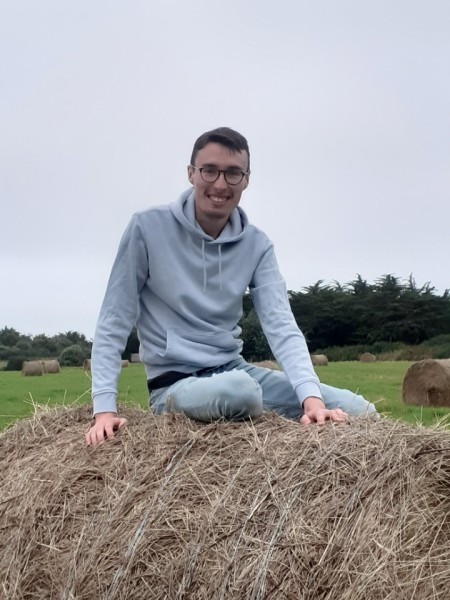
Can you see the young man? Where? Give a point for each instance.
(180, 274)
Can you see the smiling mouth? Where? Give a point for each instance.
(217, 199)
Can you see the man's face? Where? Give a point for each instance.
(214, 202)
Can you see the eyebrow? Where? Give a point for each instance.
(231, 167)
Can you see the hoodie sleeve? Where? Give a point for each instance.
(288, 344)
(118, 315)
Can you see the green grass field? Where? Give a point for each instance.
(379, 382)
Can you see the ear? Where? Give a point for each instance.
(246, 181)
(190, 173)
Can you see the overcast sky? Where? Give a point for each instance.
(345, 103)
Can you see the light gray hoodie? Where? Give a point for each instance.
(183, 290)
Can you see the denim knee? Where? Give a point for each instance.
(240, 393)
(227, 395)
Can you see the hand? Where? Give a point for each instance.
(104, 426)
(315, 412)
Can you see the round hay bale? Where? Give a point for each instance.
(32, 368)
(135, 358)
(125, 364)
(259, 510)
(367, 357)
(87, 364)
(319, 360)
(427, 383)
(51, 366)
(267, 364)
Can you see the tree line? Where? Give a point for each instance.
(357, 314)
(16, 347)
(389, 311)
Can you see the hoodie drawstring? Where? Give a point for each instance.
(205, 278)
(220, 266)
(204, 265)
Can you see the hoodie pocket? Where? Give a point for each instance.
(199, 348)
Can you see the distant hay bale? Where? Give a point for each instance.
(267, 364)
(427, 383)
(125, 364)
(367, 357)
(135, 358)
(176, 509)
(319, 360)
(32, 368)
(51, 366)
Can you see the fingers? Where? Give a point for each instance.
(322, 415)
(109, 430)
(95, 436)
(99, 432)
(338, 415)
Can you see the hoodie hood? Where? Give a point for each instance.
(184, 211)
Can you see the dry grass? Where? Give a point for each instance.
(427, 383)
(174, 509)
(367, 357)
(32, 368)
(319, 360)
(51, 366)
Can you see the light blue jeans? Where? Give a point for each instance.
(240, 390)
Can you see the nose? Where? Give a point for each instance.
(221, 182)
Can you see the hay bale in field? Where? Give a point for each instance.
(267, 364)
(319, 360)
(367, 357)
(51, 366)
(427, 383)
(176, 509)
(125, 364)
(135, 358)
(32, 368)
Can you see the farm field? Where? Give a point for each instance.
(379, 382)
(19, 395)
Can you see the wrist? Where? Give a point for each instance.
(312, 402)
(103, 415)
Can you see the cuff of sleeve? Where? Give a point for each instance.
(307, 389)
(105, 402)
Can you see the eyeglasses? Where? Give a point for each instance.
(211, 174)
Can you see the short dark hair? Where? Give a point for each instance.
(231, 139)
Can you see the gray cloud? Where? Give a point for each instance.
(345, 105)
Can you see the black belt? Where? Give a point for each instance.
(171, 377)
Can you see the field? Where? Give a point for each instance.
(379, 382)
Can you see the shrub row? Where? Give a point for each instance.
(437, 347)
(73, 356)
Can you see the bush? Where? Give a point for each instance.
(438, 340)
(343, 353)
(414, 353)
(389, 356)
(381, 347)
(14, 364)
(73, 356)
(439, 346)
(442, 351)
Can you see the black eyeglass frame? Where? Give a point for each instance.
(219, 171)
